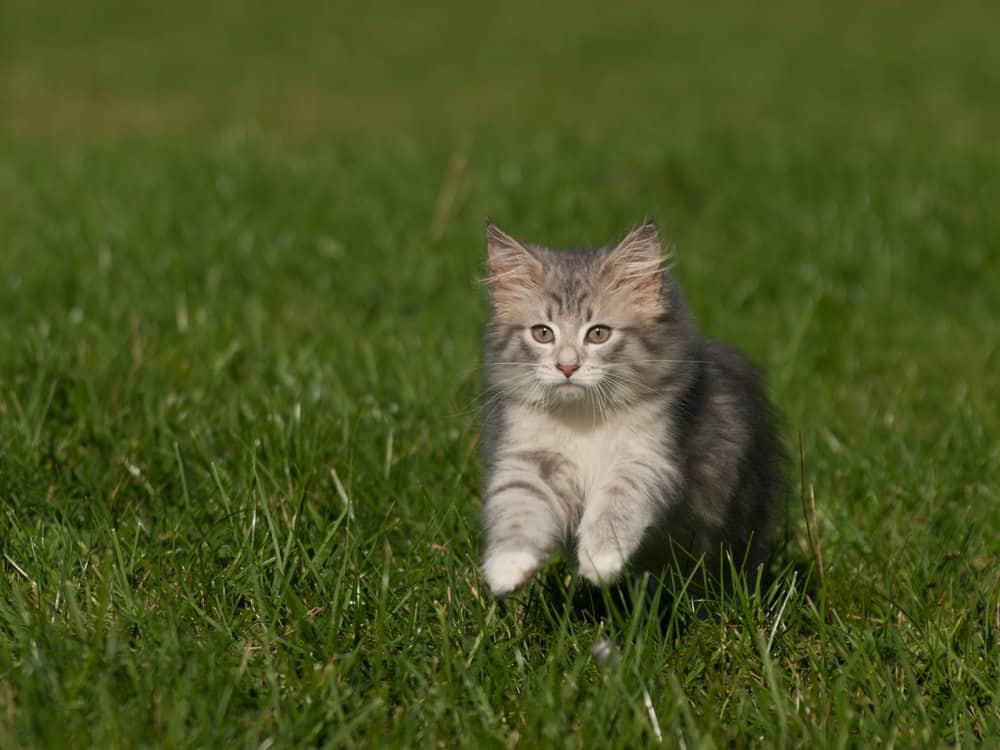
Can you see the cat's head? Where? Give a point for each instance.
(577, 326)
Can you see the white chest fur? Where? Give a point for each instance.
(599, 450)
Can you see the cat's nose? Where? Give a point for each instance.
(567, 370)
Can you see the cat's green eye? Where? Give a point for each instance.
(542, 334)
(598, 334)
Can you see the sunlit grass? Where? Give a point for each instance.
(239, 374)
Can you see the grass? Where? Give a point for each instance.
(239, 367)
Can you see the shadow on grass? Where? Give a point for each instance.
(666, 603)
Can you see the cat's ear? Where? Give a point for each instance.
(635, 266)
(514, 272)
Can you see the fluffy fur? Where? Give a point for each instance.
(653, 449)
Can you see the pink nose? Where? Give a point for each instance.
(567, 370)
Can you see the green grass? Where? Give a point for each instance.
(239, 332)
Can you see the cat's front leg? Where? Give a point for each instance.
(615, 521)
(521, 528)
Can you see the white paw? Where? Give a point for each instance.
(507, 571)
(600, 566)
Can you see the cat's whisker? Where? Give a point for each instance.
(609, 401)
(603, 395)
(540, 394)
(505, 383)
(619, 378)
(656, 361)
(622, 377)
(594, 399)
(501, 389)
(496, 392)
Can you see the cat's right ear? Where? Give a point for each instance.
(513, 270)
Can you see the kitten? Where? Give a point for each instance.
(614, 429)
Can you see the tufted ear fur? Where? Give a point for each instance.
(635, 266)
(514, 272)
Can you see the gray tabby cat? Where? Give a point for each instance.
(614, 429)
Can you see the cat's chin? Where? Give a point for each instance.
(556, 397)
(568, 392)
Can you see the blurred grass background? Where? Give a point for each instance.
(239, 363)
(333, 70)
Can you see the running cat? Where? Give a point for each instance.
(613, 429)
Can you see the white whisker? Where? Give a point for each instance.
(655, 361)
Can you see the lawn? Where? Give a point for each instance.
(239, 366)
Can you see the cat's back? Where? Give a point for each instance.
(736, 396)
(731, 448)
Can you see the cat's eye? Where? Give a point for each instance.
(542, 334)
(598, 334)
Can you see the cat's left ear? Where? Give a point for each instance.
(635, 266)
